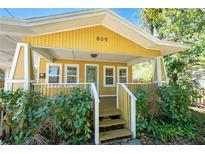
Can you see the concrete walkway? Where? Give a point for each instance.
(132, 142)
(124, 142)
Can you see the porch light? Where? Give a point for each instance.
(93, 55)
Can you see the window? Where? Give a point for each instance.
(71, 73)
(54, 73)
(122, 74)
(109, 76)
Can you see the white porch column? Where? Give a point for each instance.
(159, 71)
(22, 68)
(6, 86)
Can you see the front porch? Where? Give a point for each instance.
(98, 59)
(109, 80)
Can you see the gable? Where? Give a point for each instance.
(93, 39)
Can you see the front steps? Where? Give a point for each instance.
(109, 123)
(112, 126)
(113, 134)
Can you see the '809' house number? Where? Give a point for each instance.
(102, 38)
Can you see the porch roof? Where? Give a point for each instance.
(19, 28)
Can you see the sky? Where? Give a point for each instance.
(130, 14)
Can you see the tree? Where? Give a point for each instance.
(183, 26)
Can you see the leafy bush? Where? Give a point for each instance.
(174, 119)
(174, 103)
(33, 119)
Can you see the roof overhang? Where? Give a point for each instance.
(88, 18)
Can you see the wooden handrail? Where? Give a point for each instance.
(96, 101)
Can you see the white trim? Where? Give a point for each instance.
(47, 71)
(26, 67)
(38, 70)
(77, 73)
(164, 67)
(159, 75)
(153, 69)
(117, 94)
(118, 73)
(42, 84)
(95, 96)
(97, 65)
(26, 64)
(133, 109)
(6, 80)
(21, 81)
(104, 76)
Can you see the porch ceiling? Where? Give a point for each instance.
(7, 49)
(84, 55)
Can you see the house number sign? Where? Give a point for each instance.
(100, 38)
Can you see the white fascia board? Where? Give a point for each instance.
(65, 17)
(52, 19)
(156, 42)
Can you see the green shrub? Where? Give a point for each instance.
(174, 120)
(33, 119)
(174, 103)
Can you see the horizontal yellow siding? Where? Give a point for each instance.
(103, 90)
(86, 40)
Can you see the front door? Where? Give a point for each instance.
(91, 74)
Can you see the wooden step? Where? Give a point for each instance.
(112, 122)
(114, 134)
(106, 113)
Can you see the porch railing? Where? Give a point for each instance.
(126, 103)
(133, 87)
(201, 100)
(53, 89)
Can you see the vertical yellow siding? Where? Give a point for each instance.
(103, 90)
(86, 40)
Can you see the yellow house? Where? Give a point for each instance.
(92, 49)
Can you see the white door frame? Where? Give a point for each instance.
(97, 65)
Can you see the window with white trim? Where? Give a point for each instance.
(54, 73)
(109, 76)
(122, 74)
(71, 73)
